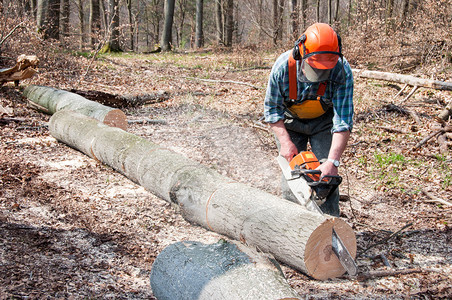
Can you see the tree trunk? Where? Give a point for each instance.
(400, 78)
(113, 43)
(304, 8)
(404, 11)
(336, 12)
(53, 100)
(229, 22)
(224, 270)
(81, 17)
(318, 11)
(94, 21)
(294, 235)
(219, 21)
(131, 24)
(53, 20)
(330, 12)
(24, 68)
(199, 40)
(65, 17)
(294, 15)
(446, 112)
(168, 26)
(41, 15)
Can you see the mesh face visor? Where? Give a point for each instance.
(321, 66)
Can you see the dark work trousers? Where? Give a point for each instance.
(318, 133)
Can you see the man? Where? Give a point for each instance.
(310, 99)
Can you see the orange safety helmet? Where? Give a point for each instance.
(321, 46)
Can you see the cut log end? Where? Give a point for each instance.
(116, 118)
(321, 262)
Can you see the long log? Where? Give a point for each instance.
(192, 270)
(407, 79)
(294, 235)
(53, 100)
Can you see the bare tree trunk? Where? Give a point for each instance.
(114, 35)
(404, 12)
(304, 8)
(94, 21)
(131, 24)
(81, 16)
(330, 12)
(336, 12)
(388, 15)
(318, 11)
(41, 15)
(65, 17)
(168, 26)
(294, 19)
(219, 21)
(199, 39)
(229, 20)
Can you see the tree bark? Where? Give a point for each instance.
(446, 112)
(41, 15)
(65, 17)
(81, 17)
(294, 16)
(53, 20)
(94, 21)
(219, 21)
(294, 235)
(400, 78)
(54, 100)
(114, 23)
(224, 270)
(199, 40)
(229, 22)
(168, 27)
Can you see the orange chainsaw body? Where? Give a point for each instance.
(306, 160)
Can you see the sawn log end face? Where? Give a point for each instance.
(321, 262)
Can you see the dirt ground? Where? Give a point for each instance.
(74, 228)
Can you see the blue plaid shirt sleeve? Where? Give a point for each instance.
(275, 95)
(343, 102)
(278, 91)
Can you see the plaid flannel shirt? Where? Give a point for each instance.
(340, 95)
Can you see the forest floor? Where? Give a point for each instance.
(74, 228)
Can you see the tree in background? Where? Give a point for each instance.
(166, 40)
(199, 40)
(94, 21)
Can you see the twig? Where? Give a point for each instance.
(389, 129)
(223, 81)
(409, 94)
(432, 135)
(146, 121)
(385, 239)
(11, 32)
(433, 198)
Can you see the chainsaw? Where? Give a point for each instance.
(311, 190)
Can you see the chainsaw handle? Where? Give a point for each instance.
(330, 180)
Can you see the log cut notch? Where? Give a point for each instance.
(292, 234)
(50, 100)
(224, 270)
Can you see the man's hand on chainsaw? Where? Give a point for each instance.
(288, 150)
(328, 169)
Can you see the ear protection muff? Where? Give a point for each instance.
(296, 50)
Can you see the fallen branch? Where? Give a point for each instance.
(10, 33)
(407, 79)
(435, 199)
(432, 135)
(446, 112)
(146, 121)
(223, 81)
(390, 129)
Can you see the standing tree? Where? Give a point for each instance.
(229, 22)
(53, 20)
(94, 20)
(219, 21)
(131, 23)
(41, 15)
(168, 25)
(65, 11)
(113, 42)
(81, 16)
(199, 39)
(294, 19)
